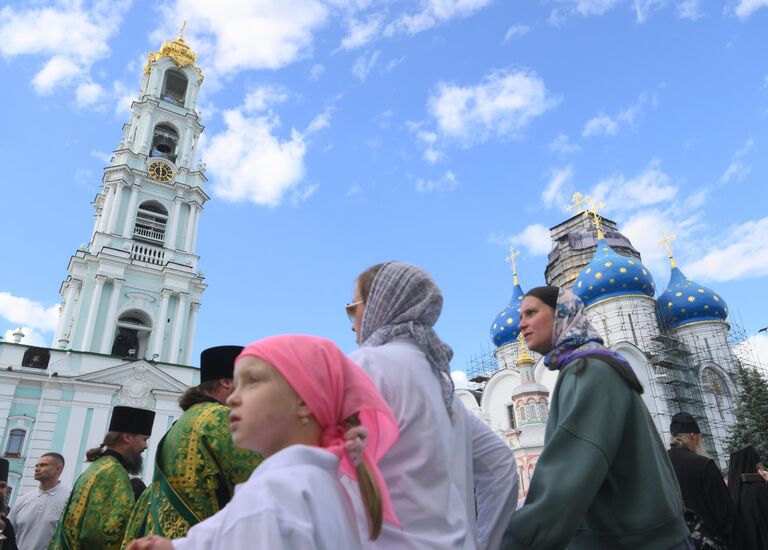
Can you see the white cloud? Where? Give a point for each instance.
(502, 104)
(433, 12)
(744, 254)
(756, 348)
(364, 64)
(321, 121)
(516, 31)
(23, 311)
(31, 337)
(603, 124)
(690, 9)
(447, 182)
(249, 163)
(431, 154)
(300, 195)
(105, 158)
(124, 98)
(649, 187)
(738, 169)
(264, 97)
(553, 192)
(232, 35)
(643, 8)
(361, 32)
(745, 8)
(70, 38)
(460, 381)
(584, 8)
(88, 94)
(316, 71)
(644, 229)
(535, 238)
(562, 144)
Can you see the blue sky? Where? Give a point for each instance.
(438, 132)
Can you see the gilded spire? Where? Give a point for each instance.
(665, 240)
(591, 211)
(524, 356)
(179, 52)
(512, 259)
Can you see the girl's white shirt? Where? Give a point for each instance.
(437, 467)
(292, 501)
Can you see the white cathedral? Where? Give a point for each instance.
(677, 342)
(127, 321)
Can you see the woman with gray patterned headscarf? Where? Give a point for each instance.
(445, 457)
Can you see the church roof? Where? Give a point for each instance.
(685, 301)
(504, 328)
(610, 274)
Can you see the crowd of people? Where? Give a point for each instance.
(288, 443)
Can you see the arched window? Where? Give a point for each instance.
(15, 443)
(714, 382)
(174, 87)
(132, 336)
(511, 416)
(165, 140)
(151, 219)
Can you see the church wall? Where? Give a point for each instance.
(625, 319)
(496, 396)
(709, 340)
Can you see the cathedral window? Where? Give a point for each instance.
(174, 87)
(15, 443)
(151, 220)
(165, 140)
(511, 416)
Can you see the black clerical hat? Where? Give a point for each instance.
(218, 362)
(131, 420)
(3, 469)
(684, 423)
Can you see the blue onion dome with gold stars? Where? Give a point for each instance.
(504, 328)
(610, 274)
(685, 301)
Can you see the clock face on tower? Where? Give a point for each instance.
(160, 171)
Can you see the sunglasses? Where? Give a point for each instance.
(352, 308)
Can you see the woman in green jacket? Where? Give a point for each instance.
(603, 480)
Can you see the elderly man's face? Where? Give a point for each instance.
(3, 488)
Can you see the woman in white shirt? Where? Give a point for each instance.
(294, 398)
(453, 482)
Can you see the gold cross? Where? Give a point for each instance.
(181, 30)
(665, 240)
(513, 254)
(577, 203)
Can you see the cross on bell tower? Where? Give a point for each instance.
(134, 289)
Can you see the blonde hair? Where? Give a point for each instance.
(369, 491)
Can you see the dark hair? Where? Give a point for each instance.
(365, 280)
(547, 294)
(56, 456)
(109, 441)
(369, 491)
(199, 394)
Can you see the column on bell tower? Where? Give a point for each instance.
(134, 289)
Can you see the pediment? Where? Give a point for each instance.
(135, 377)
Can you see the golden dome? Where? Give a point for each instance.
(179, 52)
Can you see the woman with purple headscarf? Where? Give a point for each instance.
(603, 480)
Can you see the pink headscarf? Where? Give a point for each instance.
(334, 388)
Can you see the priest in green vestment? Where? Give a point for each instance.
(197, 465)
(97, 511)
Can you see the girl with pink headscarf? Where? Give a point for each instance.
(295, 398)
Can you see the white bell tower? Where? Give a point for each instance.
(134, 290)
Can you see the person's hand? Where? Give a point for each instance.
(150, 543)
(354, 443)
(763, 474)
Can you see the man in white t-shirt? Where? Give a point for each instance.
(35, 514)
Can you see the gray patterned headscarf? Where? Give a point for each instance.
(404, 302)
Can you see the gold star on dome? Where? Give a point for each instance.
(608, 264)
(691, 298)
(622, 270)
(598, 275)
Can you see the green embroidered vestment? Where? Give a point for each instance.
(196, 469)
(97, 510)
